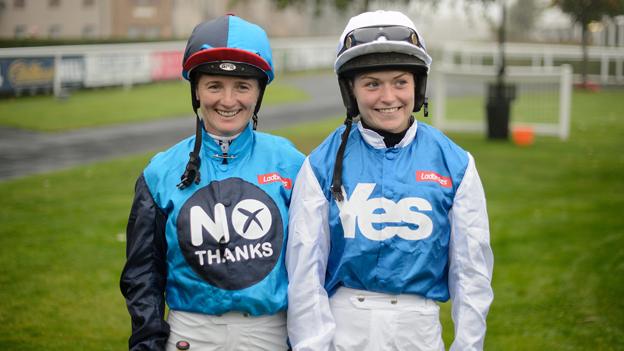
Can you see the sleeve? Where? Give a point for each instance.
(310, 321)
(145, 272)
(471, 262)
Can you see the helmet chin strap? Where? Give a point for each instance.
(191, 173)
(254, 117)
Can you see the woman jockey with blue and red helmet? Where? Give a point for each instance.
(208, 226)
(388, 215)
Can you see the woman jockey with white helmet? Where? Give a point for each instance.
(208, 226)
(388, 216)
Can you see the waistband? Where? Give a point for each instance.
(233, 317)
(363, 299)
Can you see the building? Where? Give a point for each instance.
(54, 19)
(151, 19)
(145, 19)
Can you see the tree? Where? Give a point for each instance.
(522, 17)
(584, 12)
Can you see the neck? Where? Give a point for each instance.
(390, 139)
(224, 137)
(224, 141)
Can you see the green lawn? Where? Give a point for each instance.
(556, 222)
(528, 107)
(97, 107)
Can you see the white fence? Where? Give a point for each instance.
(542, 56)
(24, 70)
(558, 77)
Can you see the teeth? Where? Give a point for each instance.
(388, 110)
(227, 113)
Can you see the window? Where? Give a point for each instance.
(152, 32)
(134, 32)
(54, 3)
(54, 31)
(143, 12)
(146, 2)
(19, 4)
(88, 3)
(88, 31)
(20, 31)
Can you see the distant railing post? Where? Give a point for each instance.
(438, 99)
(57, 86)
(604, 68)
(565, 100)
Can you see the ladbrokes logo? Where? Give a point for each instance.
(428, 176)
(230, 233)
(274, 177)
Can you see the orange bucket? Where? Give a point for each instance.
(523, 135)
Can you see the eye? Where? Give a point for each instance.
(401, 83)
(371, 84)
(243, 87)
(212, 86)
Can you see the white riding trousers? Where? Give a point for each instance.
(371, 321)
(232, 331)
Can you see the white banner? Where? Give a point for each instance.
(72, 70)
(125, 68)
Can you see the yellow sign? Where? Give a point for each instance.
(29, 73)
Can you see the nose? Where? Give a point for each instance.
(387, 94)
(228, 98)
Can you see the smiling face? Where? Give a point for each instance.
(226, 102)
(385, 99)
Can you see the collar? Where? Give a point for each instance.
(375, 140)
(238, 146)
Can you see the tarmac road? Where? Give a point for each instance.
(25, 152)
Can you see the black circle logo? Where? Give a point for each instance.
(230, 233)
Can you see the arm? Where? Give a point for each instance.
(310, 321)
(145, 273)
(471, 261)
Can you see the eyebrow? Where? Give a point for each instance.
(366, 76)
(400, 75)
(238, 81)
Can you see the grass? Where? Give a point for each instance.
(528, 107)
(97, 107)
(556, 220)
(558, 233)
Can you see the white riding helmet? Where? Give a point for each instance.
(381, 40)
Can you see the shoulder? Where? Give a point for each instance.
(167, 166)
(323, 158)
(279, 145)
(329, 145)
(454, 159)
(433, 137)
